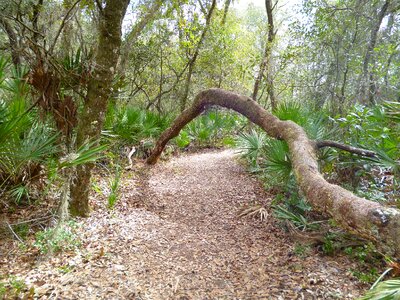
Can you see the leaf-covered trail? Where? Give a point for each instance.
(189, 243)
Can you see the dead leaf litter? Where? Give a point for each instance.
(176, 234)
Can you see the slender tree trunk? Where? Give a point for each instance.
(192, 62)
(357, 215)
(367, 84)
(66, 31)
(347, 65)
(135, 32)
(266, 63)
(226, 10)
(186, 87)
(13, 41)
(99, 90)
(160, 85)
(388, 92)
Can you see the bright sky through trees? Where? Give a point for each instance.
(242, 4)
(288, 8)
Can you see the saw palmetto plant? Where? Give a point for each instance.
(385, 290)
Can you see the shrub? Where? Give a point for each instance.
(57, 239)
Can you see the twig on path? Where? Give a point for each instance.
(16, 235)
(178, 278)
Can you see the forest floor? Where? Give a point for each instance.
(176, 234)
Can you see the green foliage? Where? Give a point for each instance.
(57, 239)
(88, 152)
(364, 254)
(131, 125)
(299, 221)
(328, 247)
(366, 277)
(228, 141)
(183, 139)
(251, 145)
(292, 110)
(12, 288)
(114, 185)
(313, 121)
(22, 230)
(26, 143)
(392, 110)
(370, 128)
(270, 157)
(302, 250)
(3, 290)
(386, 290)
(209, 130)
(276, 164)
(369, 259)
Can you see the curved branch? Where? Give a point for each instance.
(362, 152)
(365, 218)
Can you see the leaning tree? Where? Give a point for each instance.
(357, 215)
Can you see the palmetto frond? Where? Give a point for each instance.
(386, 290)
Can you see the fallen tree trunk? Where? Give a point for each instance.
(357, 215)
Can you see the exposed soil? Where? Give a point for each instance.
(185, 241)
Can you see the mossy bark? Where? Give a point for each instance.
(360, 216)
(92, 116)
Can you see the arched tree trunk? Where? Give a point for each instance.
(365, 218)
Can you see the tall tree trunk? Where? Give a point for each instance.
(192, 62)
(266, 63)
(99, 90)
(357, 215)
(367, 84)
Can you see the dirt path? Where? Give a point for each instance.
(189, 243)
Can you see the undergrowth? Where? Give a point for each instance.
(372, 128)
(60, 238)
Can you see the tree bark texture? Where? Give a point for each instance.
(99, 90)
(365, 218)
